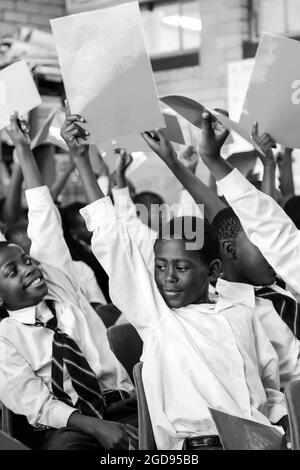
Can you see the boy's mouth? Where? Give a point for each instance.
(34, 281)
(172, 292)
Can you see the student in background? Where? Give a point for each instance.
(246, 279)
(54, 351)
(17, 234)
(78, 240)
(194, 355)
(265, 223)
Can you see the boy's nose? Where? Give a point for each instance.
(171, 276)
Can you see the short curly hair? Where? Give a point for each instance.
(210, 249)
(227, 224)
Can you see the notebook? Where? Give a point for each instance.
(242, 434)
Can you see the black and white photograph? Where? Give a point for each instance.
(149, 229)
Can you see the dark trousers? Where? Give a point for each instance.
(68, 438)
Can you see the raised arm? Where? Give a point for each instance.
(132, 287)
(125, 209)
(264, 221)
(12, 203)
(44, 228)
(284, 162)
(198, 190)
(60, 182)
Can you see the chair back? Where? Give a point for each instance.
(18, 428)
(146, 436)
(126, 344)
(292, 395)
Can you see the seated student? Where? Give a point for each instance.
(265, 223)
(194, 355)
(151, 208)
(17, 234)
(78, 240)
(54, 351)
(244, 269)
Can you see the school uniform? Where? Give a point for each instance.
(195, 356)
(26, 345)
(281, 336)
(266, 225)
(88, 283)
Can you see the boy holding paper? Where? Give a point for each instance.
(244, 267)
(265, 223)
(56, 366)
(194, 355)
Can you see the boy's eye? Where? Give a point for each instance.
(182, 269)
(28, 260)
(11, 271)
(160, 267)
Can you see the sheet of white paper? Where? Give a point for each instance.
(138, 158)
(192, 111)
(107, 72)
(273, 96)
(18, 91)
(50, 131)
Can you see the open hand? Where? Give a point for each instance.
(161, 146)
(73, 134)
(18, 130)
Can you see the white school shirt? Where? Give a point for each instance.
(282, 338)
(266, 225)
(88, 283)
(26, 350)
(195, 356)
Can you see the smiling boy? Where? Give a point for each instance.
(194, 356)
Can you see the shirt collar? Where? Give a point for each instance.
(30, 315)
(236, 292)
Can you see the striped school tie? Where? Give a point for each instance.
(286, 307)
(66, 352)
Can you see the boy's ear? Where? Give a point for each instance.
(228, 248)
(215, 269)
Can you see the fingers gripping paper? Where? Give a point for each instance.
(106, 71)
(273, 96)
(18, 91)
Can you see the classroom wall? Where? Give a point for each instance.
(14, 13)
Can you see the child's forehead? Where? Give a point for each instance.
(174, 249)
(9, 253)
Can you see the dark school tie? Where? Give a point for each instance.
(66, 352)
(286, 307)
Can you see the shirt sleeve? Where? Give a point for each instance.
(143, 236)
(103, 182)
(132, 287)
(45, 232)
(266, 225)
(2, 237)
(23, 392)
(269, 369)
(89, 284)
